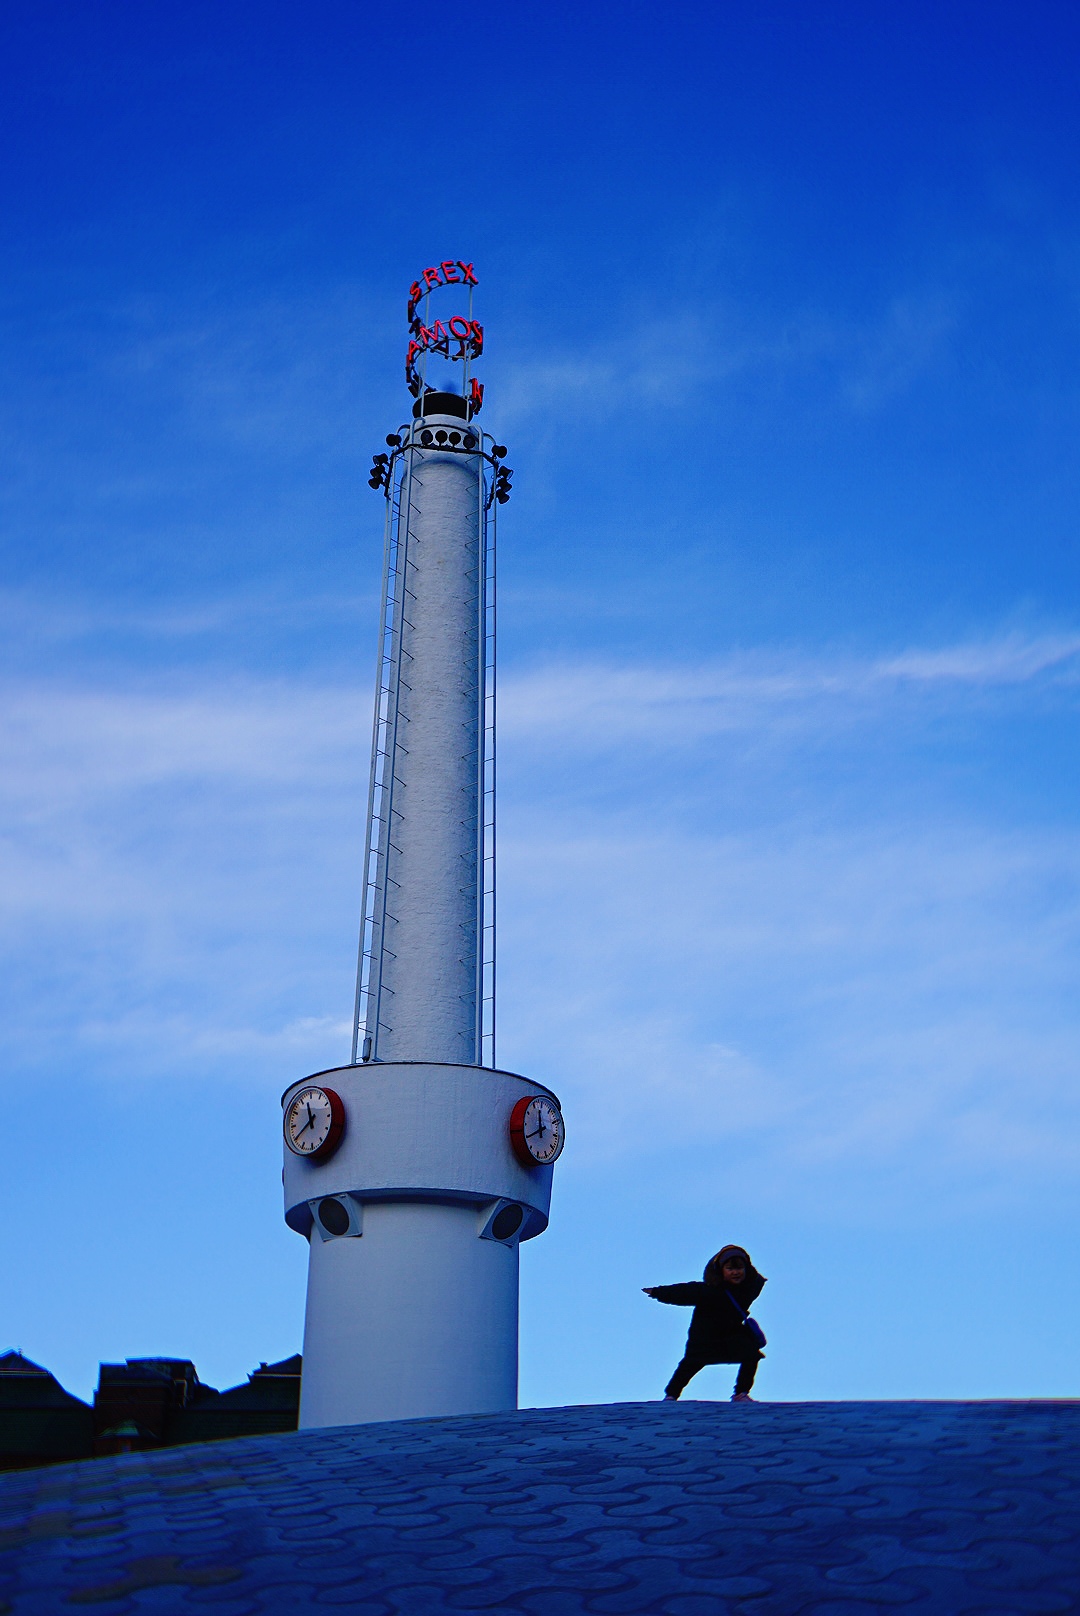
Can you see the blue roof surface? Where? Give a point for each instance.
(684, 1509)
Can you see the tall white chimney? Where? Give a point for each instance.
(417, 1171)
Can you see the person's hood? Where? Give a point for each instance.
(714, 1264)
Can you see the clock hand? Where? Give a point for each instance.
(310, 1123)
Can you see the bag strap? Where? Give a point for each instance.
(743, 1315)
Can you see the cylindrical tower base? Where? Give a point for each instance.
(417, 1317)
(413, 1225)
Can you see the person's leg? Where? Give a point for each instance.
(685, 1370)
(745, 1378)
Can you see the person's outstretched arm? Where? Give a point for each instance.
(688, 1295)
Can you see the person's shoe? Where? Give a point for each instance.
(669, 1398)
(741, 1397)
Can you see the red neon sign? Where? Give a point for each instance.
(432, 278)
(458, 338)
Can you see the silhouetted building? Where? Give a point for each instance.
(141, 1404)
(269, 1402)
(40, 1423)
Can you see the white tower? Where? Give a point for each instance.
(416, 1171)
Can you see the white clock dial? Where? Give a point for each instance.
(538, 1130)
(314, 1120)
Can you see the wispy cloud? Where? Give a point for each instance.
(78, 746)
(180, 879)
(28, 623)
(892, 1005)
(656, 362)
(667, 358)
(607, 704)
(884, 359)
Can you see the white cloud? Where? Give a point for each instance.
(31, 627)
(896, 1002)
(306, 1041)
(604, 704)
(60, 744)
(656, 362)
(670, 356)
(883, 360)
(180, 883)
(1012, 659)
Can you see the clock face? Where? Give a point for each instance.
(537, 1131)
(314, 1123)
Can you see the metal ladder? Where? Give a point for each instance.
(368, 1009)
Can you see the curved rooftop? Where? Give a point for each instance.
(681, 1509)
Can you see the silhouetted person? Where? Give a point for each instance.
(719, 1332)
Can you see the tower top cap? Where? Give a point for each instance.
(441, 404)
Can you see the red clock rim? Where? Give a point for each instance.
(517, 1132)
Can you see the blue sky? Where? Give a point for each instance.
(783, 319)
